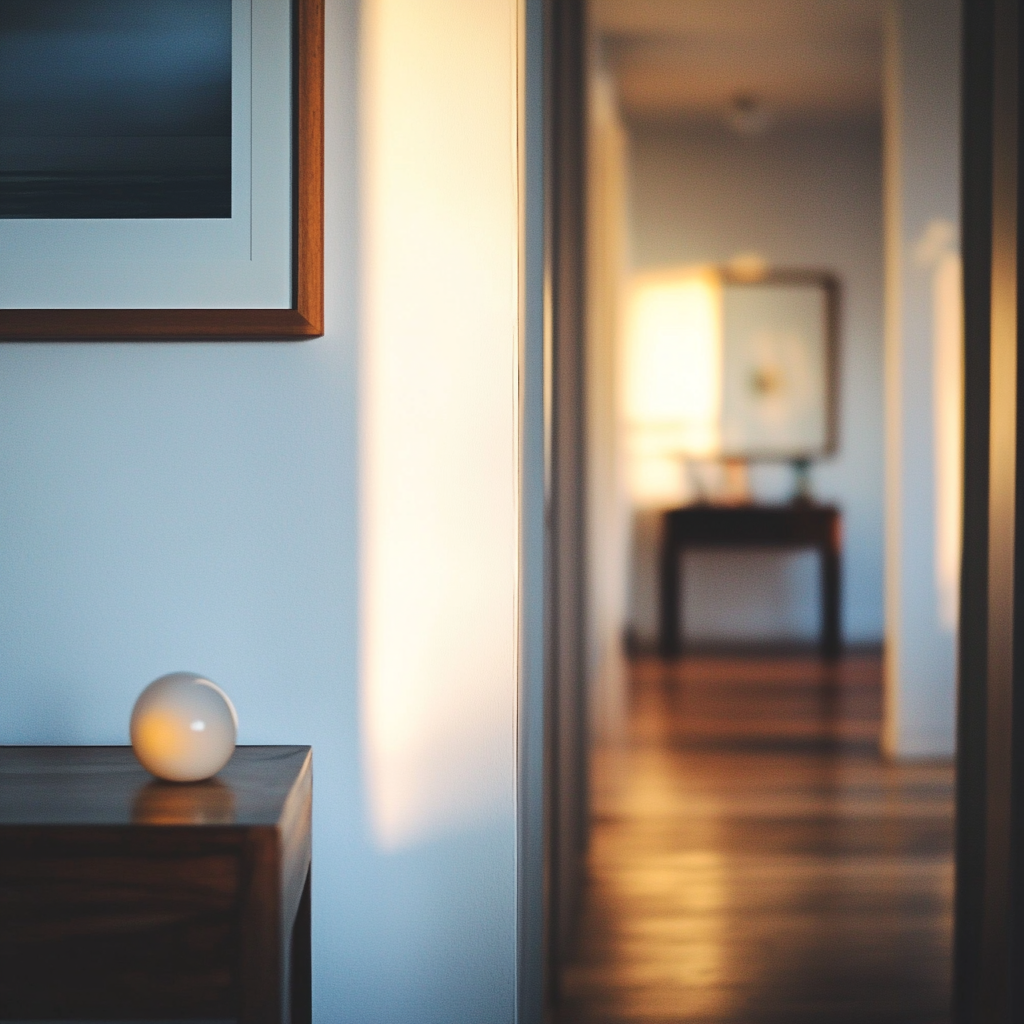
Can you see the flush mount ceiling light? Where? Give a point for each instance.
(747, 115)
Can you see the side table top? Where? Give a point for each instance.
(754, 510)
(106, 786)
(797, 524)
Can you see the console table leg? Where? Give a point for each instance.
(670, 641)
(830, 583)
(301, 974)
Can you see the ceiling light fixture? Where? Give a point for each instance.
(747, 115)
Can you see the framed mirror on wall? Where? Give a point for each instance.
(730, 366)
(779, 367)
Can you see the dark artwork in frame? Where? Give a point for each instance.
(115, 109)
(180, 105)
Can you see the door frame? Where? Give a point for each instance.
(565, 423)
(989, 902)
(989, 923)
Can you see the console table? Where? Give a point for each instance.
(122, 897)
(798, 525)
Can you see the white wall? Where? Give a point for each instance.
(198, 506)
(607, 533)
(922, 106)
(799, 196)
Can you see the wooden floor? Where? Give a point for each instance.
(754, 860)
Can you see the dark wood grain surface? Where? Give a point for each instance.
(309, 167)
(108, 786)
(124, 897)
(754, 861)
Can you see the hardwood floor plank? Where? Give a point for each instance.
(754, 860)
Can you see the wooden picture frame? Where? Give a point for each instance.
(827, 285)
(305, 317)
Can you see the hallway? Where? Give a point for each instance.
(753, 859)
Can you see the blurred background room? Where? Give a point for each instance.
(772, 479)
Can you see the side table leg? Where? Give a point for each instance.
(302, 960)
(669, 604)
(830, 583)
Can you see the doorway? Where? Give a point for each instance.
(857, 752)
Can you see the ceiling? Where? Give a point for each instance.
(795, 58)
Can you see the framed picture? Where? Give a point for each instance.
(161, 169)
(779, 365)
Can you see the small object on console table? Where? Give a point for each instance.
(183, 728)
(122, 897)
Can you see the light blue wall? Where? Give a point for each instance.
(194, 506)
(805, 196)
(923, 140)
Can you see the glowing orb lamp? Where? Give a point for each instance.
(183, 728)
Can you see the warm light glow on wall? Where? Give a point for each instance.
(949, 414)
(673, 394)
(674, 361)
(439, 527)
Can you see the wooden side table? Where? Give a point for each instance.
(122, 897)
(798, 525)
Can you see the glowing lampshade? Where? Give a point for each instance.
(674, 370)
(183, 728)
(673, 395)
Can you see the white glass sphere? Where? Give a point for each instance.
(183, 728)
